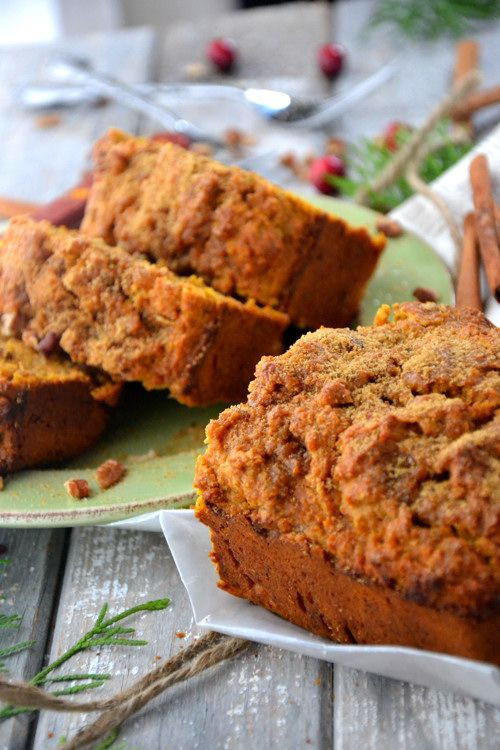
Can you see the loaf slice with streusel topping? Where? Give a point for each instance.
(133, 319)
(243, 235)
(357, 491)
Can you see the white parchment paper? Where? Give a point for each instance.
(214, 609)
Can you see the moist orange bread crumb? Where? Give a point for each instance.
(243, 235)
(133, 319)
(50, 409)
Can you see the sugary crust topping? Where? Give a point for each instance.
(381, 445)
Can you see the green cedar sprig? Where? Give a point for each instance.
(10, 622)
(105, 632)
(431, 19)
(369, 157)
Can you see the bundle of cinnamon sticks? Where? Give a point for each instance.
(481, 239)
(481, 235)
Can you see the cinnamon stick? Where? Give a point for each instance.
(467, 59)
(468, 293)
(485, 221)
(477, 101)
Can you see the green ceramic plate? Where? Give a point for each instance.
(158, 440)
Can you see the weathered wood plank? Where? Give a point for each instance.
(28, 587)
(39, 163)
(263, 698)
(374, 712)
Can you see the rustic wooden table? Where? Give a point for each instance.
(59, 578)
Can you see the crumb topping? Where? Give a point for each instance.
(381, 445)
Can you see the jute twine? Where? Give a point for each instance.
(410, 156)
(207, 651)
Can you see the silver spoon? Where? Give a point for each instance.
(271, 103)
(81, 70)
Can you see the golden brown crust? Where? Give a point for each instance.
(50, 409)
(242, 234)
(133, 319)
(300, 582)
(382, 447)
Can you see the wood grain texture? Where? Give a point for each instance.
(373, 712)
(28, 587)
(265, 697)
(38, 164)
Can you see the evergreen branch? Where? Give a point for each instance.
(74, 689)
(16, 648)
(9, 621)
(367, 159)
(104, 632)
(108, 743)
(77, 677)
(430, 19)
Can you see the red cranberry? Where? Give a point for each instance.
(321, 168)
(169, 136)
(392, 132)
(222, 53)
(330, 60)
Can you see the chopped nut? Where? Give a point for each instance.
(389, 227)
(234, 138)
(195, 70)
(298, 165)
(288, 160)
(336, 146)
(49, 344)
(425, 294)
(47, 121)
(77, 488)
(109, 473)
(180, 634)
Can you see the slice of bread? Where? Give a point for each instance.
(50, 409)
(243, 235)
(133, 319)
